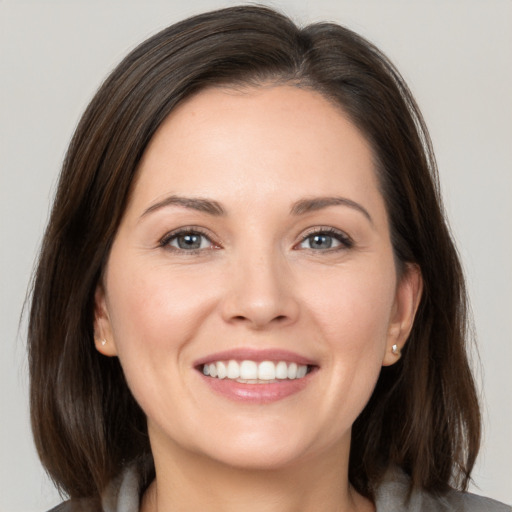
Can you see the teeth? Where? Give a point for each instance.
(281, 370)
(233, 370)
(248, 370)
(251, 372)
(292, 371)
(221, 370)
(266, 370)
(301, 371)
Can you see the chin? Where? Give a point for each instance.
(272, 458)
(264, 450)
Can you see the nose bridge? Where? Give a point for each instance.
(260, 291)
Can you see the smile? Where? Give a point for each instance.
(252, 372)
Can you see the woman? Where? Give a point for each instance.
(247, 294)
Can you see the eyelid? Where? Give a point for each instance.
(345, 240)
(164, 240)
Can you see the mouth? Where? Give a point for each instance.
(256, 376)
(249, 371)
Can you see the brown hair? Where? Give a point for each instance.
(423, 415)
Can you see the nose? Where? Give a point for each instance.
(260, 293)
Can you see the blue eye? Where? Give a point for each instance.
(325, 240)
(187, 241)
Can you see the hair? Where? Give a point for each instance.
(423, 415)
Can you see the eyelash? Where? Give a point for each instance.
(345, 241)
(174, 235)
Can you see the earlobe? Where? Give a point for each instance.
(407, 300)
(103, 337)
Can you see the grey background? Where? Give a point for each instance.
(455, 55)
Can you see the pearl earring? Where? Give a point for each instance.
(395, 350)
(103, 342)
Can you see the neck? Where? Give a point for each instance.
(187, 482)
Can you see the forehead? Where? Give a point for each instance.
(264, 138)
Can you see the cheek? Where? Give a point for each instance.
(354, 307)
(155, 310)
(154, 314)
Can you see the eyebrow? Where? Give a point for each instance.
(318, 203)
(192, 203)
(300, 207)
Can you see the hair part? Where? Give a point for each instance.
(423, 415)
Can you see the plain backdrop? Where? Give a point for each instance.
(456, 57)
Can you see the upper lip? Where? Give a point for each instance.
(257, 355)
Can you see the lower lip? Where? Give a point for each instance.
(257, 393)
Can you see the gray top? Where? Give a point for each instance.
(123, 495)
(391, 496)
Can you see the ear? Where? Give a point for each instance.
(103, 336)
(407, 300)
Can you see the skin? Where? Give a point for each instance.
(256, 282)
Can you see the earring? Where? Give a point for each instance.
(395, 350)
(103, 342)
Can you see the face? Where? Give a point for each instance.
(255, 248)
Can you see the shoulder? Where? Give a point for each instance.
(75, 506)
(121, 495)
(456, 501)
(472, 502)
(393, 496)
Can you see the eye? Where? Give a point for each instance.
(187, 240)
(325, 239)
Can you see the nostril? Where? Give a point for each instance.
(260, 321)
